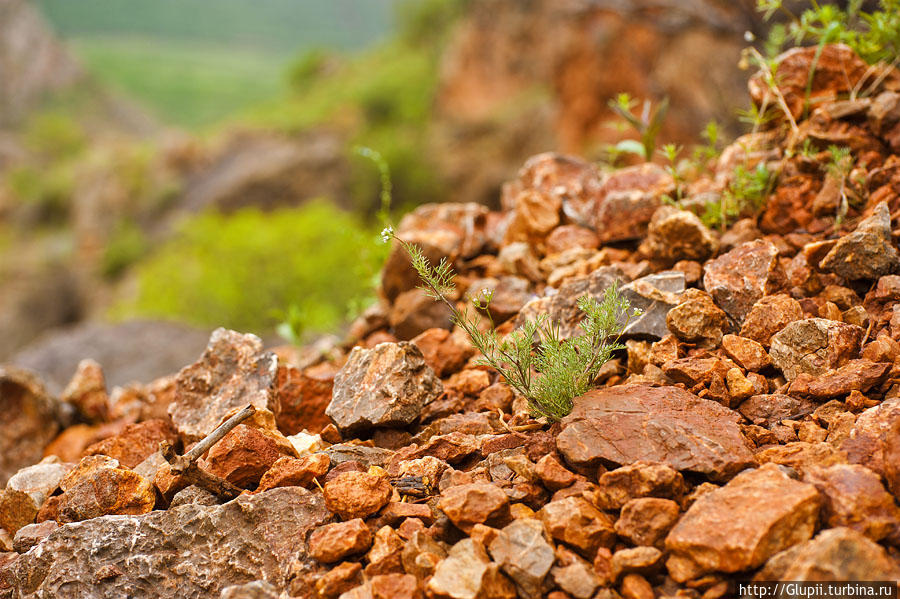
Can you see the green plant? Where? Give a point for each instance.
(647, 124)
(838, 167)
(745, 194)
(126, 245)
(558, 370)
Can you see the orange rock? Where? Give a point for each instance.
(242, 456)
(577, 523)
(135, 443)
(333, 542)
(302, 396)
(357, 494)
(87, 391)
(476, 503)
(288, 471)
(107, 491)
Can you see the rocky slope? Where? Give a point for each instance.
(750, 430)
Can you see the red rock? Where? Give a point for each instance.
(740, 278)
(242, 456)
(695, 370)
(87, 392)
(396, 511)
(868, 252)
(866, 442)
(288, 471)
(675, 235)
(766, 410)
(301, 397)
(444, 352)
(357, 494)
(496, 443)
(627, 200)
(385, 555)
(641, 479)
(566, 237)
(469, 382)
(813, 346)
(413, 312)
(135, 443)
(534, 215)
(770, 315)
(69, 446)
(476, 503)
(577, 523)
(339, 579)
(748, 354)
(568, 179)
(451, 448)
(836, 70)
(333, 542)
(106, 491)
(632, 423)
(29, 422)
(697, 320)
(497, 396)
(395, 586)
(647, 520)
(802, 456)
(855, 375)
(854, 497)
(553, 474)
(741, 525)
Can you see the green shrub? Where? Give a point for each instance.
(126, 245)
(238, 270)
(54, 135)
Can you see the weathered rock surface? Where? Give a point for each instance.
(627, 200)
(738, 279)
(813, 346)
(387, 385)
(333, 542)
(868, 252)
(630, 423)
(654, 295)
(233, 372)
(356, 494)
(524, 554)
(30, 421)
(476, 503)
(741, 525)
(579, 524)
(675, 235)
(468, 573)
(189, 551)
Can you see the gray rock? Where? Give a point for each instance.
(258, 589)
(387, 385)
(468, 573)
(234, 371)
(29, 422)
(654, 295)
(367, 456)
(190, 551)
(631, 423)
(523, 552)
(40, 480)
(868, 252)
(31, 534)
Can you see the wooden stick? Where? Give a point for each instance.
(186, 466)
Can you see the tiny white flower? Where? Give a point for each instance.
(387, 233)
(749, 37)
(486, 291)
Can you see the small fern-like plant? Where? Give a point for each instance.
(554, 372)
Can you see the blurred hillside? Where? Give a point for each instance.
(115, 206)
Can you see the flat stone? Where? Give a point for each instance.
(654, 295)
(631, 423)
(579, 524)
(741, 525)
(233, 371)
(385, 386)
(866, 253)
(855, 375)
(357, 494)
(640, 479)
(525, 555)
(768, 409)
(855, 498)
(468, 573)
(333, 542)
(814, 346)
(30, 423)
(107, 491)
(738, 279)
(475, 503)
(184, 552)
(287, 471)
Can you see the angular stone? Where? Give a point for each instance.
(871, 436)
(566, 237)
(553, 474)
(443, 351)
(185, 552)
(738, 279)
(421, 555)
(696, 319)
(766, 410)
(575, 576)
(627, 200)
(579, 524)
(855, 375)
(802, 455)
(31, 534)
(632, 423)
(741, 525)
(640, 479)
(333, 542)
(16, 510)
(451, 448)
(87, 392)
(136, 442)
(385, 386)
(357, 494)
(339, 579)
(639, 560)
(243, 455)
(855, 498)
(29, 423)
(107, 491)
(525, 555)
(233, 371)
(414, 312)
(647, 520)
(654, 295)
(302, 396)
(287, 471)
(85, 469)
(836, 554)
(385, 555)
(395, 586)
(41, 480)
(475, 503)
(749, 354)
(770, 315)
(868, 252)
(813, 346)
(675, 235)
(534, 215)
(468, 573)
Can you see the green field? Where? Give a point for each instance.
(193, 63)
